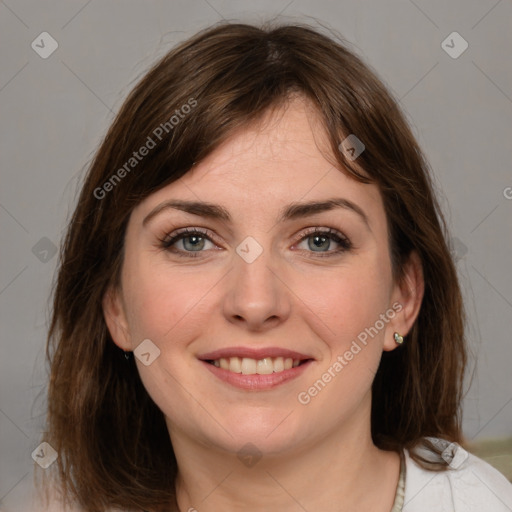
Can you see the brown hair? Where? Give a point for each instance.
(113, 444)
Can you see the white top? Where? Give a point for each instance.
(468, 485)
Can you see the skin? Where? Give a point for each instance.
(318, 456)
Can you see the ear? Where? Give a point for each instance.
(408, 295)
(115, 318)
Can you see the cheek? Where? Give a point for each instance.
(162, 300)
(350, 304)
(347, 300)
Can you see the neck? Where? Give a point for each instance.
(341, 472)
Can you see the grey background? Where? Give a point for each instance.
(55, 111)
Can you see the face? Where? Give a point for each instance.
(266, 319)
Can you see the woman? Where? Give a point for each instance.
(256, 307)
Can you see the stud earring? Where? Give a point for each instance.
(398, 338)
(127, 355)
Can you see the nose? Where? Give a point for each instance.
(257, 297)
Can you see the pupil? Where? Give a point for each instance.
(196, 241)
(319, 241)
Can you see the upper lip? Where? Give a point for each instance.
(253, 353)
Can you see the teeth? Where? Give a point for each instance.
(265, 366)
(235, 365)
(248, 366)
(278, 364)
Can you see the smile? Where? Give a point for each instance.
(249, 366)
(255, 369)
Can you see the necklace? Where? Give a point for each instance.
(398, 504)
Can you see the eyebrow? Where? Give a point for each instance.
(290, 212)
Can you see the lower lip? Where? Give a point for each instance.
(257, 382)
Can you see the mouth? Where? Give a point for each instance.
(255, 369)
(250, 366)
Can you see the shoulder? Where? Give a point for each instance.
(468, 485)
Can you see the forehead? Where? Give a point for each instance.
(290, 134)
(285, 157)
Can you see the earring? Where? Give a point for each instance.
(398, 338)
(127, 355)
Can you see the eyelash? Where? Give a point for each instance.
(334, 235)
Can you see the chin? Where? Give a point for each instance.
(266, 433)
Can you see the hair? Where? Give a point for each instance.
(110, 435)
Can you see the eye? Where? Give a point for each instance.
(192, 240)
(321, 240)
